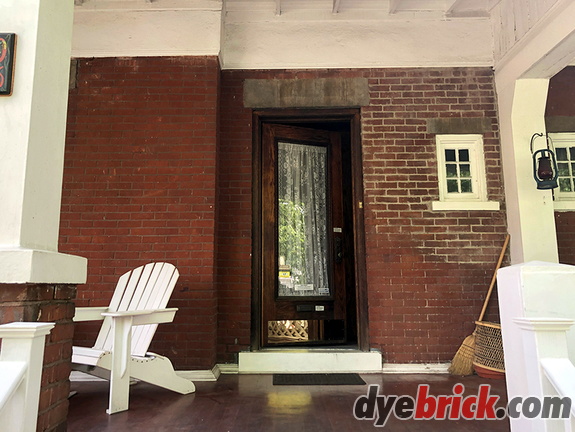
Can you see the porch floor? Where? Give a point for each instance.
(252, 403)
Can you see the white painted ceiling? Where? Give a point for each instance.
(399, 8)
(414, 8)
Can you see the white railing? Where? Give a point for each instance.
(537, 311)
(21, 361)
(549, 372)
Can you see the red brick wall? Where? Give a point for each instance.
(234, 228)
(561, 92)
(428, 272)
(140, 186)
(565, 227)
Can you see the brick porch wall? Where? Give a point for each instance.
(140, 186)
(428, 272)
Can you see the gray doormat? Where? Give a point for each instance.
(318, 379)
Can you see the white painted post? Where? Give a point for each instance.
(24, 342)
(543, 338)
(530, 213)
(531, 290)
(33, 125)
(521, 76)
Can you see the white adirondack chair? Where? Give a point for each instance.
(129, 323)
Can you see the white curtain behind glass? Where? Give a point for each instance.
(302, 220)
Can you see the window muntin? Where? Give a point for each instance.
(461, 169)
(564, 145)
(458, 171)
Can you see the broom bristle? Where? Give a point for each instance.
(462, 363)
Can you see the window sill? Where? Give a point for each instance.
(465, 205)
(564, 205)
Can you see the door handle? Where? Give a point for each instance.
(338, 249)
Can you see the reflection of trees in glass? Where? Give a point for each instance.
(291, 237)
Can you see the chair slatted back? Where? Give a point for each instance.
(148, 287)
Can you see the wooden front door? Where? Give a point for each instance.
(307, 257)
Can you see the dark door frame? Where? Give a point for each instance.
(301, 117)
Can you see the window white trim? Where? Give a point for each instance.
(563, 200)
(465, 205)
(469, 164)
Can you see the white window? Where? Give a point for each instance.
(564, 144)
(461, 174)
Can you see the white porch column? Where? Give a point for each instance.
(33, 125)
(530, 213)
(521, 78)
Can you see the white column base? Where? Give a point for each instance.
(20, 265)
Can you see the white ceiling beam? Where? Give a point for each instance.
(336, 6)
(492, 4)
(450, 5)
(394, 6)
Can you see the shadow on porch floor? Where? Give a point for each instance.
(252, 403)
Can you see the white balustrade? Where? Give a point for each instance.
(537, 310)
(21, 360)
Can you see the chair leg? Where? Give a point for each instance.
(158, 370)
(120, 370)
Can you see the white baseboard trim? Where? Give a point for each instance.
(230, 368)
(77, 376)
(388, 368)
(198, 375)
(411, 368)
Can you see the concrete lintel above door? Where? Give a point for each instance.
(306, 93)
(309, 361)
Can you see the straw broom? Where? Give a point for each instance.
(462, 363)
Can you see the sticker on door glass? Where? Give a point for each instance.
(303, 287)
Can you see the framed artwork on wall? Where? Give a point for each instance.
(7, 55)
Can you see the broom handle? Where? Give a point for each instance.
(494, 278)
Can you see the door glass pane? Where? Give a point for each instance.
(288, 331)
(302, 221)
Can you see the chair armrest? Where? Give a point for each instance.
(142, 317)
(90, 313)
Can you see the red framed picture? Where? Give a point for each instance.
(7, 54)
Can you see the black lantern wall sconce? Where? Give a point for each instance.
(544, 164)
